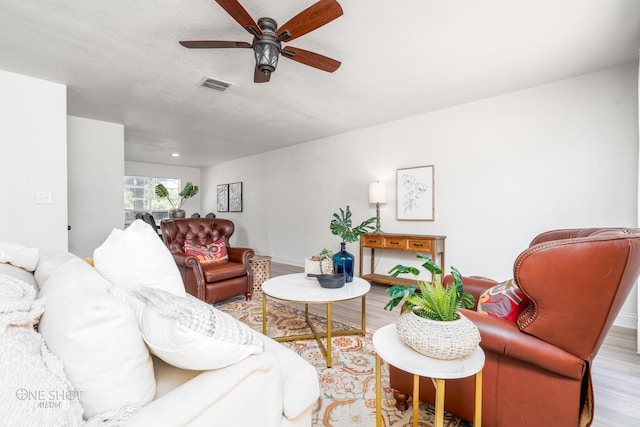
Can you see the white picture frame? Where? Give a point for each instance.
(415, 193)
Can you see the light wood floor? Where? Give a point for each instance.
(615, 371)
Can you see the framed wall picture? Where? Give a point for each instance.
(415, 193)
(235, 197)
(223, 198)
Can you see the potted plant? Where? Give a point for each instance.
(321, 263)
(431, 322)
(342, 225)
(187, 192)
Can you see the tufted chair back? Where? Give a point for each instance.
(201, 231)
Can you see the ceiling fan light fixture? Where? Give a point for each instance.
(266, 46)
(267, 53)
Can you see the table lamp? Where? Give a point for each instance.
(377, 195)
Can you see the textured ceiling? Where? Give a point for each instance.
(122, 63)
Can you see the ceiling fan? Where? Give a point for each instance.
(268, 38)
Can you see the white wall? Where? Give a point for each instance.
(33, 141)
(185, 175)
(506, 168)
(95, 171)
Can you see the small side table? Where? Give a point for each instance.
(261, 267)
(391, 349)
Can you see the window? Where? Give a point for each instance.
(140, 197)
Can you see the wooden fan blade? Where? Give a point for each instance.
(213, 44)
(239, 13)
(260, 77)
(311, 59)
(313, 17)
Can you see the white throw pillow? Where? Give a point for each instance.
(135, 257)
(98, 339)
(189, 333)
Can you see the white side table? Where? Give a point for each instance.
(391, 349)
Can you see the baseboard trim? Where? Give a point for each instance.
(627, 320)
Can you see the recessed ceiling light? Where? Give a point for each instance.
(175, 154)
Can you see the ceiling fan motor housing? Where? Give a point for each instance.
(266, 46)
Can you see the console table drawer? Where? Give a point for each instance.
(419, 245)
(373, 242)
(395, 243)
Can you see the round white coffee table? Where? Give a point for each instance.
(391, 349)
(298, 288)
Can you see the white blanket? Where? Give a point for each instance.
(19, 255)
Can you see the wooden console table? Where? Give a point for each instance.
(433, 245)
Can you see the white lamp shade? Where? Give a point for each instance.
(377, 192)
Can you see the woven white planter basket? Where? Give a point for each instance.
(313, 267)
(440, 340)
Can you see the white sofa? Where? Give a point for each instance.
(273, 388)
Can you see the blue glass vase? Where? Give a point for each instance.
(343, 263)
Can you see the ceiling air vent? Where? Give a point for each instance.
(215, 84)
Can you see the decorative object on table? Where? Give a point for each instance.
(331, 281)
(415, 193)
(377, 196)
(341, 225)
(235, 197)
(322, 263)
(187, 192)
(222, 203)
(431, 323)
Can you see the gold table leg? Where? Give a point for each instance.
(378, 393)
(477, 416)
(329, 327)
(317, 335)
(416, 399)
(264, 314)
(439, 385)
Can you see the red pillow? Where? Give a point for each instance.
(213, 252)
(503, 301)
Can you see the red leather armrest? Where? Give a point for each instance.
(184, 260)
(241, 255)
(505, 338)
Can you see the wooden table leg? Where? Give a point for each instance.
(477, 416)
(439, 384)
(378, 393)
(416, 399)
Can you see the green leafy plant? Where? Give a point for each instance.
(434, 301)
(324, 254)
(342, 225)
(187, 192)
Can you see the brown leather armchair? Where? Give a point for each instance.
(215, 281)
(537, 372)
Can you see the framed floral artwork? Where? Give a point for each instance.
(222, 204)
(415, 193)
(235, 197)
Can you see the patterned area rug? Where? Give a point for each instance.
(347, 390)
